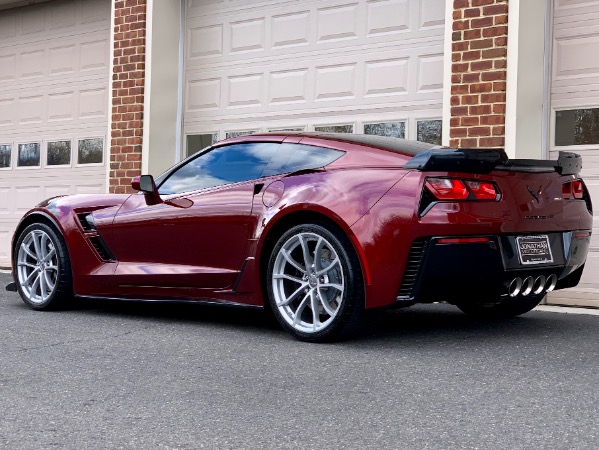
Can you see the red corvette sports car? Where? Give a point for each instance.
(318, 228)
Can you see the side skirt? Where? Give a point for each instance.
(197, 301)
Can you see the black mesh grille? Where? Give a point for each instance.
(101, 248)
(412, 268)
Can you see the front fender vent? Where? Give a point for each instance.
(101, 248)
(86, 220)
(412, 270)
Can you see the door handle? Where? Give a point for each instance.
(258, 188)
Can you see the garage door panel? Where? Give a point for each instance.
(5, 240)
(68, 56)
(290, 30)
(95, 188)
(61, 106)
(35, 107)
(267, 65)
(6, 199)
(8, 67)
(94, 55)
(575, 85)
(576, 57)
(7, 116)
(239, 34)
(53, 87)
(288, 86)
(432, 14)
(372, 78)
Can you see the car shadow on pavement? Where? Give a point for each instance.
(420, 323)
(225, 315)
(445, 324)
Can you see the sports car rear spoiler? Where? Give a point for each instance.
(487, 160)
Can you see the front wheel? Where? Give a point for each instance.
(43, 271)
(511, 307)
(314, 283)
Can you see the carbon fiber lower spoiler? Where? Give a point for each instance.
(487, 160)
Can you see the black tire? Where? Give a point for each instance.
(62, 292)
(506, 309)
(348, 306)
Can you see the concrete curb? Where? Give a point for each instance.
(567, 310)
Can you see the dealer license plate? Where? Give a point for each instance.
(534, 249)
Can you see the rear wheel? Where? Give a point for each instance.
(43, 268)
(314, 283)
(503, 310)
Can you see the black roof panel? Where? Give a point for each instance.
(404, 146)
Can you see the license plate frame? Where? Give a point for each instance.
(533, 250)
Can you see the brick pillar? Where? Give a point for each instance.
(128, 78)
(478, 73)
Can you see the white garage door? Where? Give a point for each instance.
(575, 117)
(54, 62)
(373, 66)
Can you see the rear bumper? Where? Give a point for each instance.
(476, 271)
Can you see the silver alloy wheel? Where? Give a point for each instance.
(37, 266)
(308, 282)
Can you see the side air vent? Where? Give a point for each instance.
(101, 248)
(87, 221)
(410, 277)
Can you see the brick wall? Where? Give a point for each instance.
(478, 74)
(127, 93)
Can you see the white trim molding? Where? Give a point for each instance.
(447, 50)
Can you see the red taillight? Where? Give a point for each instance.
(482, 190)
(455, 189)
(572, 189)
(447, 188)
(577, 189)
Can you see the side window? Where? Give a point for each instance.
(293, 157)
(223, 165)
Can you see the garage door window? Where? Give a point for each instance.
(29, 155)
(5, 153)
(234, 134)
(391, 129)
(577, 127)
(90, 151)
(429, 131)
(335, 129)
(58, 153)
(197, 142)
(282, 130)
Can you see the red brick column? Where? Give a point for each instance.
(128, 77)
(478, 73)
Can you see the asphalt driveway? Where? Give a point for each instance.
(141, 376)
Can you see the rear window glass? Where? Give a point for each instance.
(294, 157)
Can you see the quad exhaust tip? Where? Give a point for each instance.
(515, 287)
(533, 285)
(527, 286)
(551, 282)
(539, 284)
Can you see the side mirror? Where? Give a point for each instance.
(145, 184)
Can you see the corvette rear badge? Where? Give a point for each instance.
(534, 194)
